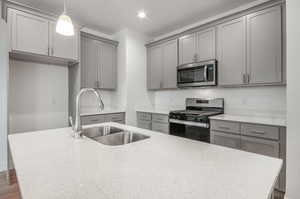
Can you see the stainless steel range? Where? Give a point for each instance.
(193, 123)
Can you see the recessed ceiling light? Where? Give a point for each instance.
(142, 15)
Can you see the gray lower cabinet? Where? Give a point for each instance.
(256, 138)
(260, 146)
(162, 66)
(153, 121)
(101, 118)
(225, 139)
(98, 63)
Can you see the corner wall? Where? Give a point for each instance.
(293, 99)
(132, 77)
(38, 96)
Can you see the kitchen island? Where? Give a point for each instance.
(52, 164)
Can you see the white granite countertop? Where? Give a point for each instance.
(87, 112)
(52, 165)
(273, 121)
(154, 110)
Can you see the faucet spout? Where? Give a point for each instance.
(77, 128)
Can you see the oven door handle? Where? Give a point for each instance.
(197, 124)
(205, 73)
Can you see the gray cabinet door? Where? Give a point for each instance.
(62, 46)
(225, 139)
(187, 49)
(108, 59)
(264, 46)
(170, 62)
(260, 146)
(205, 43)
(89, 63)
(231, 52)
(154, 67)
(28, 33)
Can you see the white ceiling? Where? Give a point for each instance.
(110, 16)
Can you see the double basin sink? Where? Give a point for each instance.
(113, 136)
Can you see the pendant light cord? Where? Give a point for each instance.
(65, 9)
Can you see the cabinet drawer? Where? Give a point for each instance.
(260, 146)
(116, 117)
(269, 132)
(144, 116)
(231, 127)
(160, 118)
(225, 139)
(160, 127)
(144, 124)
(92, 119)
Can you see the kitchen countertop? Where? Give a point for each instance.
(51, 164)
(273, 121)
(154, 110)
(87, 112)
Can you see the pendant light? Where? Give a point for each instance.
(64, 25)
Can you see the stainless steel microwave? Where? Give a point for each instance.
(197, 74)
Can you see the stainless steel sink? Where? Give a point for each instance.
(113, 136)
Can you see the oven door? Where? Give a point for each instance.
(190, 130)
(197, 74)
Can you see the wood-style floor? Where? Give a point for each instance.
(9, 190)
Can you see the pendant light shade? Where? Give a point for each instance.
(64, 25)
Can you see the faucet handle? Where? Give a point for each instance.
(71, 122)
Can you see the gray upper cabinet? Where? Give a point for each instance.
(231, 52)
(62, 46)
(205, 44)
(33, 35)
(170, 62)
(28, 33)
(162, 65)
(98, 64)
(187, 49)
(108, 61)
(154, 67)
(89, 63)
(264, 46)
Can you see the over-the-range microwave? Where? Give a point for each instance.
(197, 74)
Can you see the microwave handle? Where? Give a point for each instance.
(205, 73)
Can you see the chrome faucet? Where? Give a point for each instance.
(77, 128)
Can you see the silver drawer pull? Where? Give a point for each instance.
(223, 127)
(95, 120)
(258, 132)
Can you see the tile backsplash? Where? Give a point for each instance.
(260, 101)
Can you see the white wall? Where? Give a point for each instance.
(38, 97)
(293, 99)
(132, 88)
(4, 75)
(261, 101)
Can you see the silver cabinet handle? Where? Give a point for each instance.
(258, 132)
(248, 78)
(195, 58)
(71, 121)
(223, 127)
